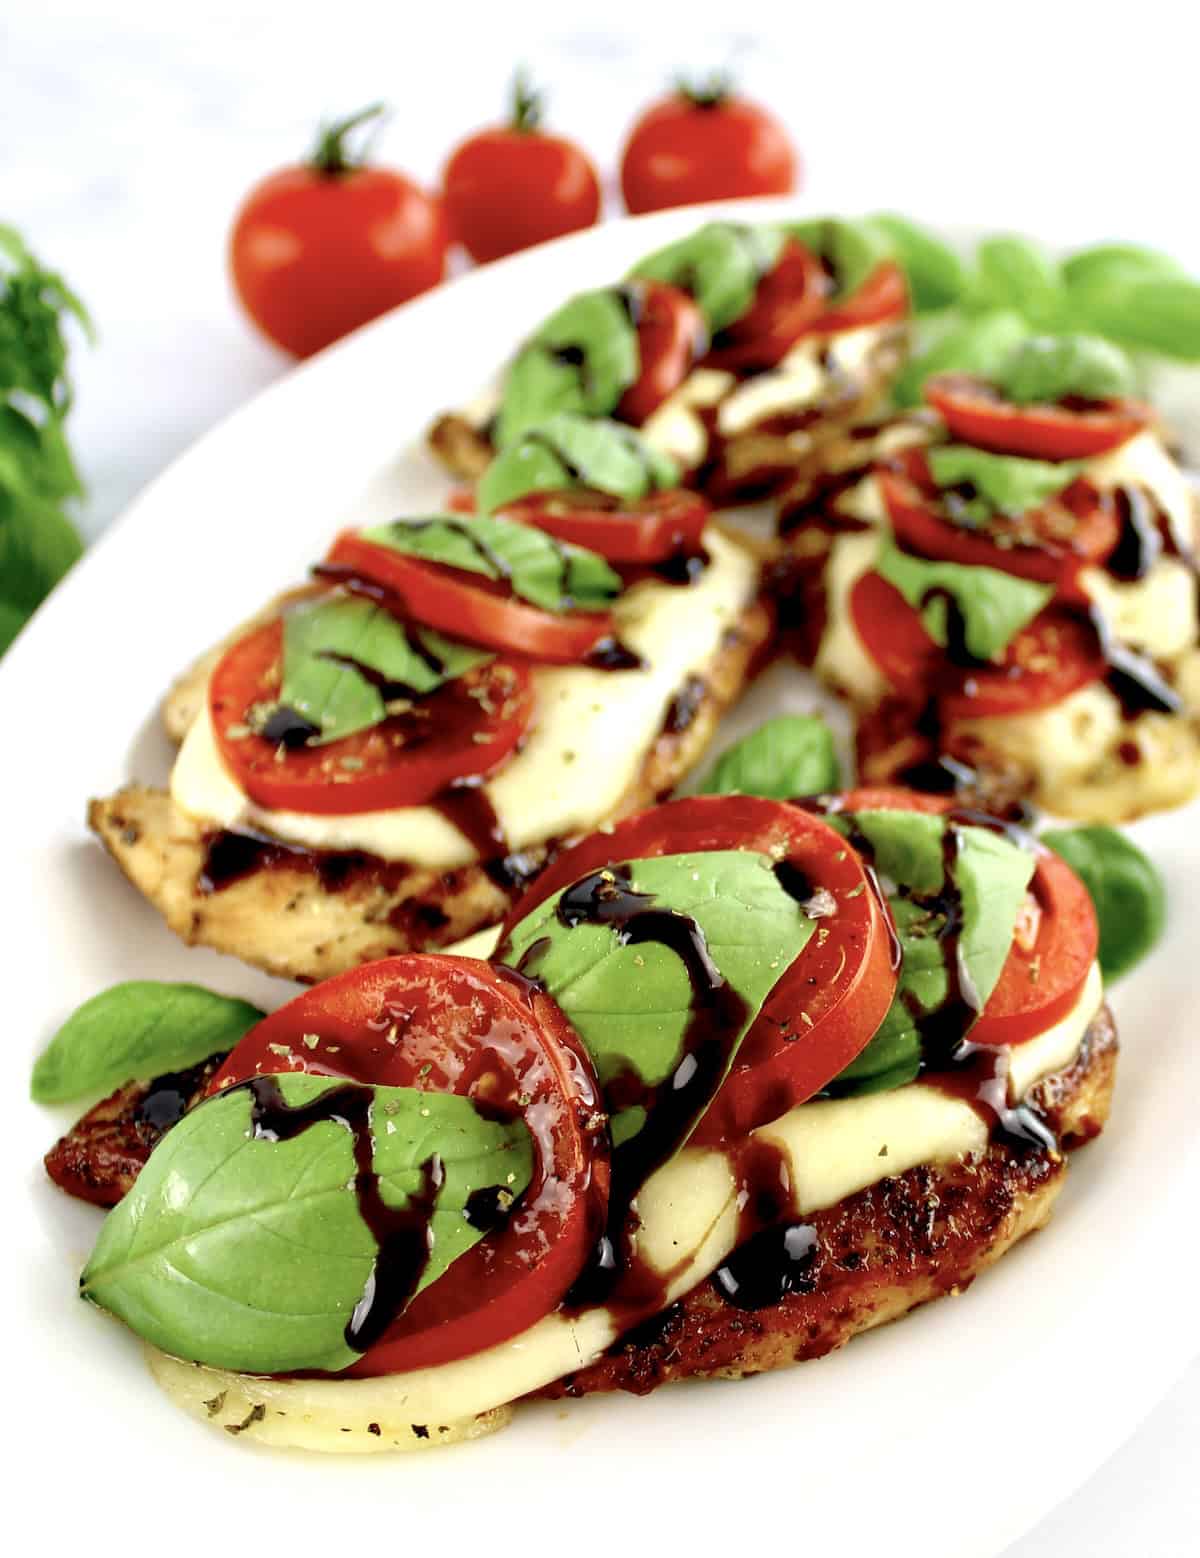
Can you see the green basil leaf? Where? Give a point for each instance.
(38, 543)
(978, 346)
(135, 1031)
(12, 620)
(1012, 272)
(1126, 888)
(538, 385)
(787, 756)
(936, 274)
(249, 1253)
(995, 605)
(852, 248)
(1047, 367)
(575, 451)
(720, 265)
(551, 574)
(1009, 484)
(325, 642)
(630, 1003)
(992, 875)
(1159, 314)
(1106, 264)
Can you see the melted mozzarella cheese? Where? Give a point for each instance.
(1143, 461)
(842, 660)
(688, 1213)
(1157, 614)
(589, 736)
(674, 428)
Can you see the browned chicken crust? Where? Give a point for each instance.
(308, 915)
(879, 1254)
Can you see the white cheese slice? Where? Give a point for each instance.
(842, 660)
(1156, 614)
(688, 1214)
(1143, 461)
(590, 734)
(674, 428)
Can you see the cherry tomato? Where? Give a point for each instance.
(977, 414)
(1076, 528)
(446, 1024)
(893, 634)
(705, 143)
(790, 298)
(826, 1006)
(1044, 974)
(468, 607)
(514, 186)
(1054, 656)
(671, 336)
(648, 530)
(319, 249)
(467, 728)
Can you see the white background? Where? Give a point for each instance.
(128, 134)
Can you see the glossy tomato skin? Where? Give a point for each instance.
(316, 254)
(645, 531)
(977, 415)
(671, 336)
(507, 188)
(683, 150)
(826, 1006)
(1048, 660)
(447, 1024)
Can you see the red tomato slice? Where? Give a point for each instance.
(789, 300)
(1042, 979)
(893, 634)
(1077, 528)
(647, 530)
(465, 729)
(453, 1025)
(472, 608)
(671, 336)
(883, 296)
(827, 1005)
(976, 414)
(1056, 655)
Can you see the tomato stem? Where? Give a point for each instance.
(332, 156)
(705, 93)
(528, 103)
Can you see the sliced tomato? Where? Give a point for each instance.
(977, 414)
(789, 299)
(671, 336)
(1077, 528)
(465, 729)
(648, 530)
(1056, 655)
(883, 296)
(469, 607)
(1044, 973)
(893, 634)
(446, 1024)
(827, 1005)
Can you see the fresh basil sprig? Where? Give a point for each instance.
(978, 345)
(1006, 483)
(1126, 888)
(630, 1002)
(38, 541)
(995, 606)
(576, 451)
(935, 272)
(551, 574)
(787, 756)
(248, 1253)
(1045, 368)
(137, 1030)
(720, 265)
(991, 874)
(335, 653)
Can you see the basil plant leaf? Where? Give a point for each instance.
(134, 1031)
(720, 266)
(245, 1252)
(12, 620)
(787, 756)
(630, 1002)
(576, 451)
(978, 346)
(38, 543)
(1158, 314)
(329, 645)
(992, 875)
(551, 574)
(852, 249)
(1107, 264)
(994, 606)
(936, 275)
(1009, 484)
(1048, 367)
(1126, 888)
(1012, 272)
(581, 359)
